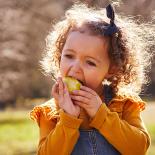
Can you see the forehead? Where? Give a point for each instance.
(85, 43)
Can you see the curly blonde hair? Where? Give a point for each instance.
(128, 48)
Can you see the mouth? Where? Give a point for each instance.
(77, 79)
(81, 82)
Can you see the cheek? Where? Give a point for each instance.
(64, 66)
(95, 77)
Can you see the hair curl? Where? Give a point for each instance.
(129, 48)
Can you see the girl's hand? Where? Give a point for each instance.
(87, 99)
(61, 94)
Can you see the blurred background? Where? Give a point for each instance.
(24, 25)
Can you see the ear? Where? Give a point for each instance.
(112, 70)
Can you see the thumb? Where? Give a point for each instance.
(66, 92)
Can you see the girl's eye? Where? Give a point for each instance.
(68, 56)
(91, 63)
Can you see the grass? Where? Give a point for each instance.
(19, 135)
(151, 130)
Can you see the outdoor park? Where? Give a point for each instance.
(24, 27)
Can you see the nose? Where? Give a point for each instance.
(76, 68)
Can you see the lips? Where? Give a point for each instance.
(81, 82)
(77, 79)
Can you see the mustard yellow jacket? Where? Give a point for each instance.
(59, 131)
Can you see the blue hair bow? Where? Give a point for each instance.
(110, 28)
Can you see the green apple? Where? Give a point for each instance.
(72, 84)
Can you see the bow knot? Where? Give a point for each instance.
(111, 28)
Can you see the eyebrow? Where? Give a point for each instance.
(86, 56)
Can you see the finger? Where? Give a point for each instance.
(54, 92)
(80, 99)
(61, 87)
(66, 92)
(82, 105)
(82, 93)
(88, 90)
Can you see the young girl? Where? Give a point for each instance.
(103, 117)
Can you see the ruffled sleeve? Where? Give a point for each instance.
(136, 102)
(49, 111)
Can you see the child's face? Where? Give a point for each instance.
(85, 58)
